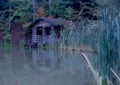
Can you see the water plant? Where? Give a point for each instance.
(96, 74)
(79, 37)
(108, 49)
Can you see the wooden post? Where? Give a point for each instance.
(52, 32)
(52, 36)
(34, 35)
(43, 34)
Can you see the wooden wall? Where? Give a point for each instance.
(17, 33)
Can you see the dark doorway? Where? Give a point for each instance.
(39, 30)
(48, 30)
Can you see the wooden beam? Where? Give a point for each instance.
(34, 34)
(43, 35)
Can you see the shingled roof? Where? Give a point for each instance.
(52, 21)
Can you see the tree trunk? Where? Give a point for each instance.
(33, 3)
(50, 6)
(9, 15)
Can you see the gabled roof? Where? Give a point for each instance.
(52, 21)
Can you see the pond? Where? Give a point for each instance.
(43, 67)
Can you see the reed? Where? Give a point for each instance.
(109, 43)
(96, 74)
(104, 37)
(79, 37)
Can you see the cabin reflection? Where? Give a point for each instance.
(45, 60)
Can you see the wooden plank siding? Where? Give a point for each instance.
(34, 40)
(44, 38)
(39, 38)
(17, 33)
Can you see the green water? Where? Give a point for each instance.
(43, 67)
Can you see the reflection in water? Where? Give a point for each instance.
(43, 67)
(44, 60)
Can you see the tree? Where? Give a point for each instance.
(14, 11)
(58, 8)
(86, 9)
(4, 4)
(41, 12)
(34, 9)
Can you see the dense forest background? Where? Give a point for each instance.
(27, 10)
(22, 11)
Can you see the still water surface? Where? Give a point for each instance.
(43, 67)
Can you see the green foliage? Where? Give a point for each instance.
(4, 4)
(58, 8)
(17, 11)
(23, 8)
(108, 42)
(5, 44)
(7, 36)
(104, 82)
(21, 44)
